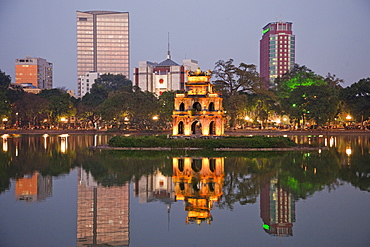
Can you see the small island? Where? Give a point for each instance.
(241, 143)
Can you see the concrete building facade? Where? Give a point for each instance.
(102, 43)
(87, 81)
(277, 51)
(164, 76)
(34, 71)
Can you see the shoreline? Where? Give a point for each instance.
(227, 132)
(301, 148)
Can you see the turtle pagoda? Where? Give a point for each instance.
(198, 112)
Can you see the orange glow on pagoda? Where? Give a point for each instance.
(198, 111)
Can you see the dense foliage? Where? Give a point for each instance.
(227, 142)
(300, 96)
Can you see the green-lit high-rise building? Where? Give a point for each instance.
(277, 51)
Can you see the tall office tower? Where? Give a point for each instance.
(102, 43)
(34, 71)
(277, 51)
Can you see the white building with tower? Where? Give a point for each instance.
(164, 76)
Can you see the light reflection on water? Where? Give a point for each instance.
(122, 198)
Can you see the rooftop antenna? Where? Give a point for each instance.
(168, 51)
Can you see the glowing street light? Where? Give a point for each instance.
(349, 117)
(155, 118)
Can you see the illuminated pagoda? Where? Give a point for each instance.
(198, 182)
(198, 112)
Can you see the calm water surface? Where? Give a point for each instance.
(55, 191)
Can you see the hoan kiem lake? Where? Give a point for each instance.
(56, 191)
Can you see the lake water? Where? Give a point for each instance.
(55, 191)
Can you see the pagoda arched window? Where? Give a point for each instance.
(211, 107)
(180, 127)
(182, 107)
(212, 128)
(197, 106)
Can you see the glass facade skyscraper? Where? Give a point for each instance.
(102, 43)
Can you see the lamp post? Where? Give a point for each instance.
(349, 118)
(16, 120)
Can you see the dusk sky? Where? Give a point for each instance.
(331, 35)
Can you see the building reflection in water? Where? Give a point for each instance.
(155, 187)
(33, 187)
(277, 209)
(198, 182)
(63, 142)
(102, 213)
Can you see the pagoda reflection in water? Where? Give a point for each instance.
(198, 182)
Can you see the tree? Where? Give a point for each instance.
(232, 80)
(111, 83)
(298, 76)
(142, 107)
(30, 108)
(115, 108)
(262, 105)
(88, 109)
(5, 107)
(357, 99)
(5, 80)
(166, 103)
(303, 95)
(235, 107)
(59, 103)
(317, 103)
(236, 84)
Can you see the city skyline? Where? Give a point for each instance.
(330, 35)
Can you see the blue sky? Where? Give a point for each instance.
(331, 35)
